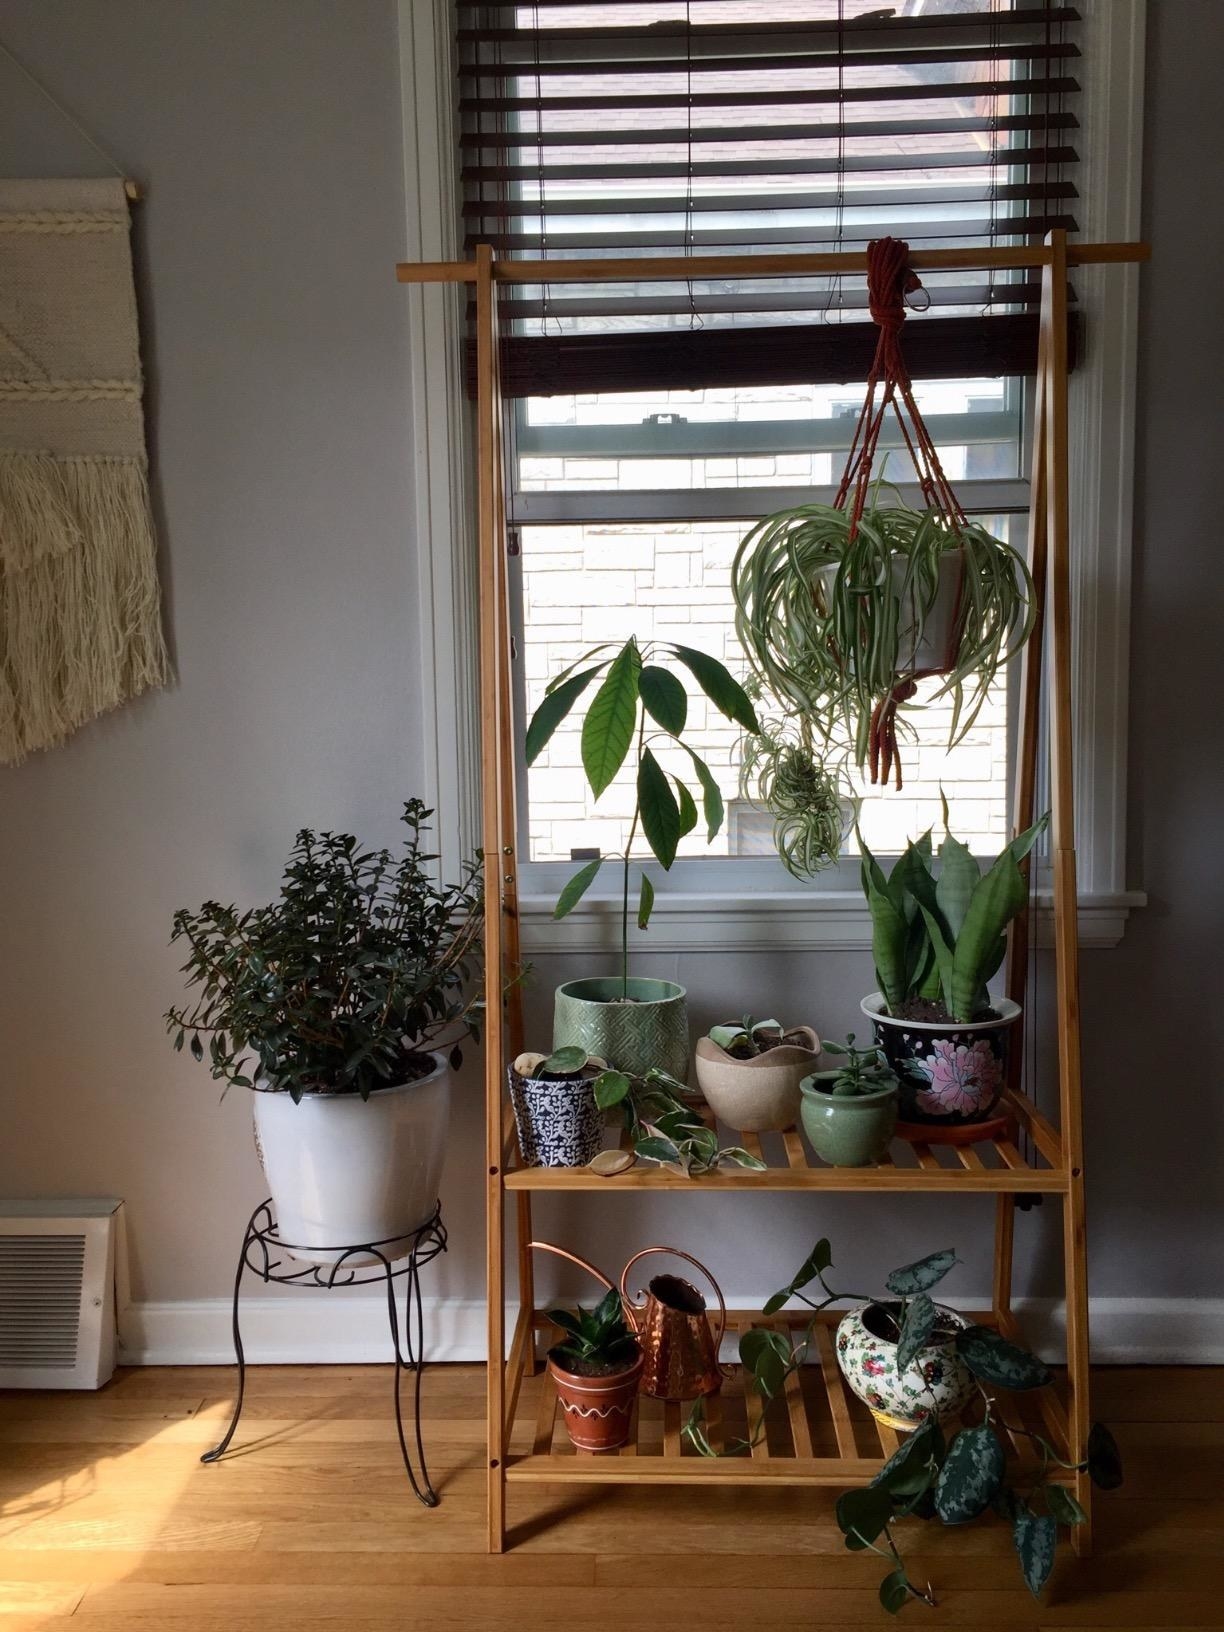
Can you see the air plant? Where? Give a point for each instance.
(834, 625)
(803, 789)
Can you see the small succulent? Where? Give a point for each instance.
(597, 1340)
(748, 1039)
(866, 1071)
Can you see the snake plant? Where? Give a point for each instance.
(942, 938)
(832, 625)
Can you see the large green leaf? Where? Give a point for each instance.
(660, 813)
(665, 698)
(910, 1469)
(1064, 1509)
(607, 730)
(920, 1317)
(959, 874)
(1104, 1458)
(994, 1360)
(922, 1274)
(1035, 1536)
(577, 887)
(971, 1475)
(945, 958)
(863, 1512)
(611, 1088)
(997, 899)
(555, 706)
(727, 695)
(711, 795)
(688, 809)
(767, 1356)
(817, 1261)
(894, 1592)
(645, 902)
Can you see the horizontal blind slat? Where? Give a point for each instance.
(704, 203)
(876, 164)
(524, 66)
(703, 135)
(1060, 85)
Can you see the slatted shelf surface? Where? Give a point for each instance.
(817, 1432)
(992, 1165)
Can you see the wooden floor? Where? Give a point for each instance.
(108, 1523)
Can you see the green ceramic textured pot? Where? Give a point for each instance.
(650, 1030)
(847, 1131)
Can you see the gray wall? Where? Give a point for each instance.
(269, 134)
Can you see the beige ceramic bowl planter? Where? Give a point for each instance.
(761, 1094)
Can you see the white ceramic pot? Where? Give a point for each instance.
(938, 1380)
(344, 1171)
(760, 1095)
(922, 642)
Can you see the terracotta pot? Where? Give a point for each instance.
(938, 1380)
(598, 1411)
(952, 1074)
(760, 1095)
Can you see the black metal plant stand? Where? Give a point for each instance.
(401, 1256)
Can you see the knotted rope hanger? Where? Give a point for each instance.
(890, 279)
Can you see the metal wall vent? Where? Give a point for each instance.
(57, 1293)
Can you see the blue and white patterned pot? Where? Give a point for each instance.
(938, 1380)
(951, 1074)
(558, 1121)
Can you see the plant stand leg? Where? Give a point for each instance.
(219, 1450)
(414, 1343)
(1075, 1271)
(1005, 1236)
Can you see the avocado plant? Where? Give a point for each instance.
(638, 706)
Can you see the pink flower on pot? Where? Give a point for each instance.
(962, 1079)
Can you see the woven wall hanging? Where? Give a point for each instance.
(80, 616)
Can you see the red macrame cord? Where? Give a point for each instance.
(889, 280)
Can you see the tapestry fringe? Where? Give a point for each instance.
(80, 613)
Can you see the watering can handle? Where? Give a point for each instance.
(560, 1252)
(675, 1252)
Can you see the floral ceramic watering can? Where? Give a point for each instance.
(679, 1350)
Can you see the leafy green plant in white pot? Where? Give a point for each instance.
(633, 1022)
(333, 1004)
(937, 941)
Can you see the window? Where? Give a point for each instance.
(618, 460)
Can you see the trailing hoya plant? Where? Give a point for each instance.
(664, 1127)
(928, 1476)
(938, 940)
(638, 706)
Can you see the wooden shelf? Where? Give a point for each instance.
(994, 1166)
(817, 1434)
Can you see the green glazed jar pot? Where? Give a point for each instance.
(651, 1030)
(850, 1131)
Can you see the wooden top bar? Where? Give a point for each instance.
(669, 268)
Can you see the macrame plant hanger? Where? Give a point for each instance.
(890, 280)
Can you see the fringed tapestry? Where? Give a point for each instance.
(80, 616)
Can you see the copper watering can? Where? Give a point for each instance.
(679, 1350)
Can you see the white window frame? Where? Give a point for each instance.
(1102, 420)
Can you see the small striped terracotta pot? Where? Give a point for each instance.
(598, 1411)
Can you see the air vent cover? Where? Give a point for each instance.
(57, 1293)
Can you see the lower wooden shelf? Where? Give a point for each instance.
(819, 1433)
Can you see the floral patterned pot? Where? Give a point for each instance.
(558, 1121)
(951, 1074)
(938, 1380)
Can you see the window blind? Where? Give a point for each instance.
(615, 128)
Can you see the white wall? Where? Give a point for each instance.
(268, 133)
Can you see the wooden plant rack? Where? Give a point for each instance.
(819, 1434)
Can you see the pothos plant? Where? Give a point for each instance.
(835, 615)
(928, 1476)
(638, 706)
(343, 983)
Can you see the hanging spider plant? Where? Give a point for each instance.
(842, 627)
(803, 789)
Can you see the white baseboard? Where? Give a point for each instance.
(353, 1330)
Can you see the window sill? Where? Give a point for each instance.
(833, 921)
